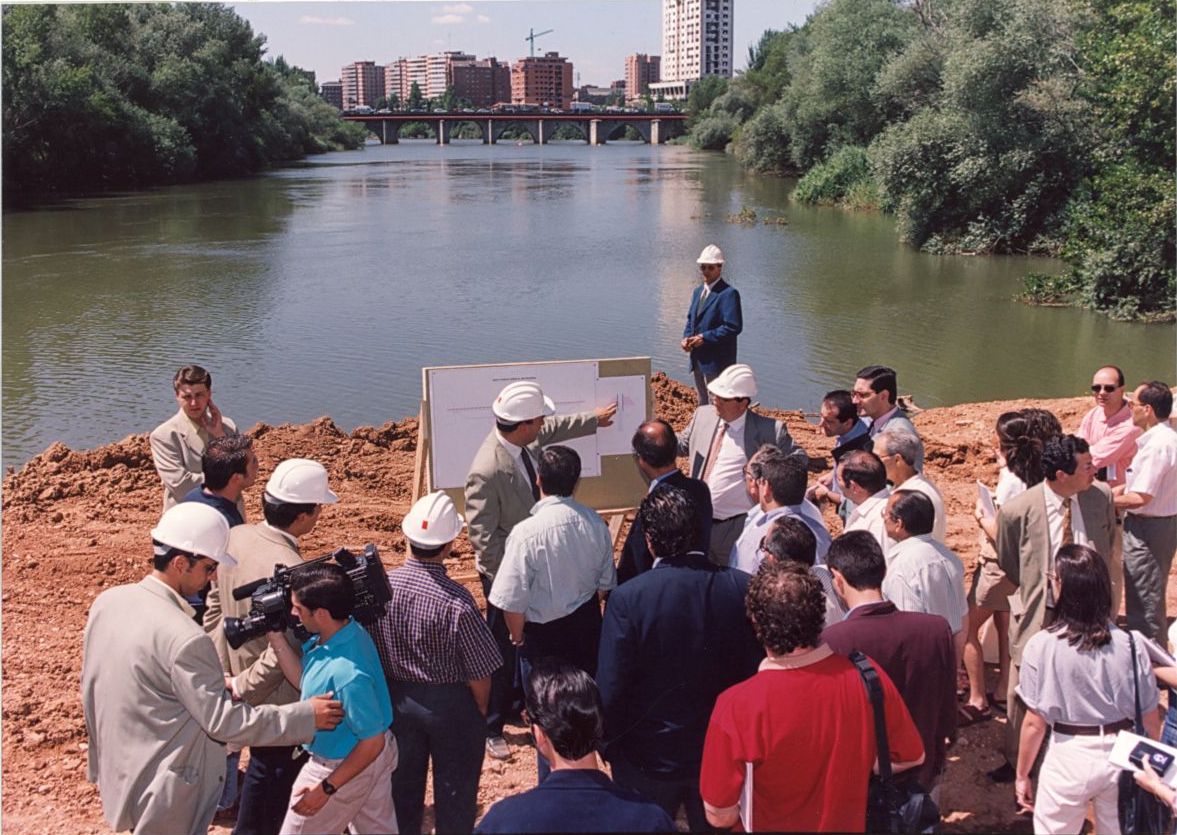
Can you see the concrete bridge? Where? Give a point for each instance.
(595, 128)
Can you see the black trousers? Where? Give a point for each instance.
(265, 791)
(437, 722)
(506, 696)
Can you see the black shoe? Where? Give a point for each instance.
(1004, 773)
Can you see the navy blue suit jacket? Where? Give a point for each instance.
(718, 321)
(636, 557)
(673, 639)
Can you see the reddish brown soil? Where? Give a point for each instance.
(75, 523)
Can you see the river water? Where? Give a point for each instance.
(324, 288)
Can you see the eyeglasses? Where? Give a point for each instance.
(1107, 388)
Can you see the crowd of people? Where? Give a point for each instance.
(721, 666)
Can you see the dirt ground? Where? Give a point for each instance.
(76, 522)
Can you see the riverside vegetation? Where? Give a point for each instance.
(122, 96)
(984, 126)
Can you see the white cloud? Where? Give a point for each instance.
(447, 19)
(326, 21)
(458, 8)
(483, 19)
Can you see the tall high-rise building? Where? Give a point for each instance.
(332, 93)
(640, 72)
(394, 80)
(696, 42)
(539, 80)
(363, 84)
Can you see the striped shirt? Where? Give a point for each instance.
(431, 631)
(924, 575)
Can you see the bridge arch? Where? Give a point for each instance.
(499, 126)
(618, 127)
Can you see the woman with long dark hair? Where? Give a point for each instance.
(1077, 679)
(1017, 443)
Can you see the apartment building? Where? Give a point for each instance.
(363, 84)
(539, 80)
(640, 72)
(696, 42)
(332, 93)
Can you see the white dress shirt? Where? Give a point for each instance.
(1154, 471)
(924, 575)
(1054, 520)
(868, 517)
(516, 453)
(729, 496)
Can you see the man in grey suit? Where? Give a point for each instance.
(1070, 506)
(178, 442)
(500, 492)
(718, 442)
(292, 503)
(156, 708)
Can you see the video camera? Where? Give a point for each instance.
(269, 608)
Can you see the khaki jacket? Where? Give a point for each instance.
(259, 549)
(1022, 546)
(497, 495)
(158, 714)
(176, 447)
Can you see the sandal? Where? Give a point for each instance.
(967, 715)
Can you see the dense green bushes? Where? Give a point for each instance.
(988, 126)
(124, 96)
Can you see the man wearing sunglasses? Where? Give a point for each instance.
(1109, 430)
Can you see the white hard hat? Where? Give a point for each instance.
(711, 254)
(197, 529)
(300, 481)
(433, 521)
(522, 400)
(734, 381)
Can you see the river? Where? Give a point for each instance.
(325, 287)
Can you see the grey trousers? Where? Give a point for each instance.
(723, 536)
(701, 387)
(1149, 543)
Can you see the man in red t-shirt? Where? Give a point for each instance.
(792, 748)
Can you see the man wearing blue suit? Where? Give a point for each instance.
(713, 322)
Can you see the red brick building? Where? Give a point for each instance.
(542, 80)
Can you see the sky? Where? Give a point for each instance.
(595, 35)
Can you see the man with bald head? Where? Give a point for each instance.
(654, 448)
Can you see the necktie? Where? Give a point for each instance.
(1068, 538)
(713, 453)
(527, 465)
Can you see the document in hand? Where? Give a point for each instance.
(1130, 750)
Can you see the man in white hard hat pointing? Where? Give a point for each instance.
(719, 440)
(291, 505)
(713, 322)
(156, 708)
(500, 492)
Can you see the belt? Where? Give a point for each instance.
(729, 519)
(1092, 730)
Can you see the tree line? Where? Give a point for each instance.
(984, 126)
(123, 96)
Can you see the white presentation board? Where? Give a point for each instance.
(459, 398)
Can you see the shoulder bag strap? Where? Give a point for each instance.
(1136, 684)
(874, 688)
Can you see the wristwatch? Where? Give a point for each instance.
(328, 789)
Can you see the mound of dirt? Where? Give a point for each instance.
(76, 522)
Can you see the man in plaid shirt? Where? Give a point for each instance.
(438, 654)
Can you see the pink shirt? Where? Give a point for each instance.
(1113, 441)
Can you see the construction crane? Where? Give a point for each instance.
(533, 35)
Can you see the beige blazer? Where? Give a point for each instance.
(176, 447)
(497, 494)
(259, 549)
(158, 714)
(1022, 545)
(695, 441)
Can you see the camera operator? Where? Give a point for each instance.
(291, 504)
(345, 784)
(157, 712)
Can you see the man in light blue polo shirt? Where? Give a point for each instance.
(347, 780)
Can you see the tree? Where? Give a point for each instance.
(703, 92)
(416, 100)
